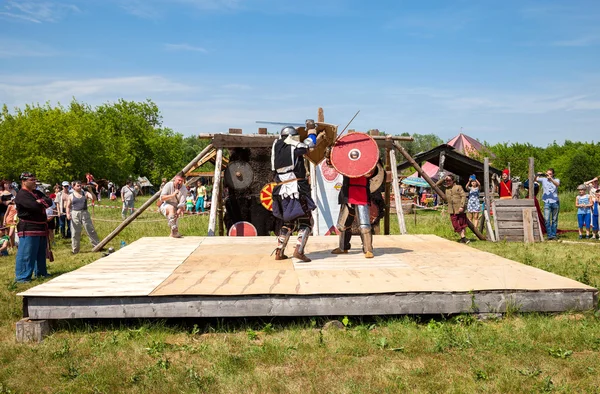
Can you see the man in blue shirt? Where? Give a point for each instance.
(550, 199)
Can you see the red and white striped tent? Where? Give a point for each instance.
(466, 145)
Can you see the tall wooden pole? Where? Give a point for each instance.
(531, 178)
(313, 194)
(150, 201)
(487, 201)
(214, 202)
(397, 197)
(439, 191)
(386, 223)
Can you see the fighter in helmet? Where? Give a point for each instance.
(355, 197)
(291, 197)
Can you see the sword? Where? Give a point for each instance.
(340, 134)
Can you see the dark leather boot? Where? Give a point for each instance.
(280, 254)
(301, 256)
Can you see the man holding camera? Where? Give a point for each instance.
(550, 199)
(173, 196)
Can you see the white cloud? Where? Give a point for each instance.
(184, 47)
(94, 90)
(37, 11)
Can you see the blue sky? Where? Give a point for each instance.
(504, 71)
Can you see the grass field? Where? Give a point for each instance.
(517, 353)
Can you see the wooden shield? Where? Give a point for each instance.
(326, 135)
(266, 195)
(242, 229)
(239, 175)
(376, 182)
(355, 155)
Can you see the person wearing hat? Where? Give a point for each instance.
(505, 185)
(61, 200)
(32, 230)
(457, 202)
(583, 203)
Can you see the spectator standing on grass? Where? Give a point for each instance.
(551, 202)
(4, 242)
(10, 220)
(200, 196)
(128, 194)
(473, 205)
(584, 203)
(32, 230)
(79, 216)
(457, 202)
(595, 207)
(61, 200)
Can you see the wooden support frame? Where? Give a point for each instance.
(214, 202)
(435, 187)
(487, 202)
(397, 196)
(151, 201)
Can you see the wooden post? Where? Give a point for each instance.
(495, 212)
(148, 203)
(528, 225)
(320, 116)
(313, 194)
(439, 192)
(486, 192)
(397, 197)
(214, 203)
(531, 179)
(220, 211)
(262, 130)
(442, 161)
(491, 236)
(386, 195)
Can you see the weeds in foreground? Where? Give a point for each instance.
(519, 353)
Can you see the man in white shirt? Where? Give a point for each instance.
(128, 194)
(173, 196)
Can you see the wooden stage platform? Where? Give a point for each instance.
(236, 276)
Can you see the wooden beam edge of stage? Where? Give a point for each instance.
(311, 305)
(148, 203)
(433, 185)
(265, 141)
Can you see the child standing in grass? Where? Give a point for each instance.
(473, 205)
(4, 242)
(584, 203)
(595, 207)
(189, 204)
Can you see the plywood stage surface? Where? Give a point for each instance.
(238, 276)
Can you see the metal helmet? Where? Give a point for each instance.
(288, 130)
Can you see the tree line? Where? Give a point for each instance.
(114, 141)
(126, 139)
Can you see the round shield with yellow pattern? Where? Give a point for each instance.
(266, 195)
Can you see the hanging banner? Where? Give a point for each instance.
(329, 183)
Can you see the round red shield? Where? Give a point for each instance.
(266, 195)
(354, 155)
(242, 229)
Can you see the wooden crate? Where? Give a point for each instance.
(516, 221)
